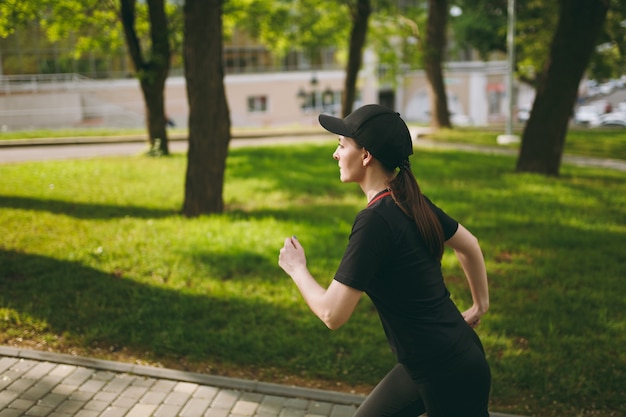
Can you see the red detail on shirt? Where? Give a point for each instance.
(378, 197)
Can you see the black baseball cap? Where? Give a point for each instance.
(378, 129)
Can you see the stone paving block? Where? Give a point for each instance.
(22, 366)
(343, 411)
(6, 363)
(195, 407)
(216, 412)
(152, 397)
(292, 412)
(141, 410)
(124, 402)
(96, 405)
(38, 410)
(5, 381)
(57, 414)
(163, 386)
(52, 400)
(7, 397)
(225, 399)
(83, 396)
(204, 392)
(79, 376)
(36, 392)
(143, 382)
(185, 387)
(167, 410)
(105, 396)
(39, 371)
(92, 385)
(87, 413)
(319, 408)
(11, 412)
(51, 380)
(69, 406)
(118, 384)
(176, 398)
(297, 403)
(63, 370)
(21, 384)
(114, 412)
(64, 389)
(103, 375)
(134, 392)
(251, 396)
(22, 404)
(271, 405)
(245, 408)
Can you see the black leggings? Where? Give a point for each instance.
(460, 390)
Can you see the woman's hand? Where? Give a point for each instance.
(471, 258)
(292, 257)
(333, 305)
(472, 316)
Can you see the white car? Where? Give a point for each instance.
(614, 119)
(587, 115)
(523, 114)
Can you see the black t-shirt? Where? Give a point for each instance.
(387, 259)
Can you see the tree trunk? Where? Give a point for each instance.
(360, 15)
(543, 138)
(152, 73)
(209, 116)
(434, 48)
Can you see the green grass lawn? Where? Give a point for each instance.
(96, 260)
(593, 142)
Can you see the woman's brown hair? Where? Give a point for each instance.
(408, 196)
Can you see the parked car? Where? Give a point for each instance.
(588, 115)
(460, 119)
(614, 119)
(523, 114)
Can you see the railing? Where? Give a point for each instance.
(13, 84)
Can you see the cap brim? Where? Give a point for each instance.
(334, 125)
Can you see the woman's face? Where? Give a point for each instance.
(350, 157)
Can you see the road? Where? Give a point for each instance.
(16, 154)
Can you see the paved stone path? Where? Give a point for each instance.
(34, 383)
(37, 383)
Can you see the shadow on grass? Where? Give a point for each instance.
(83, 210)
(88, 308)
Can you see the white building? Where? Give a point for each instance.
(476, 96)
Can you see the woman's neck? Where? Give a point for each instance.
(370, 190)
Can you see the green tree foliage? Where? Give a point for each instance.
(482, 25)
(287, 25)
(16, 13)
(104, 26)
(609, 60)
(397, 35)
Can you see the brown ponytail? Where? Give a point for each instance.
(407, 195)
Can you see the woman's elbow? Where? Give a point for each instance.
(333, 322)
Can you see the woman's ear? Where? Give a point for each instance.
(367, 157)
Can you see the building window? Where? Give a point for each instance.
(257, 104)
